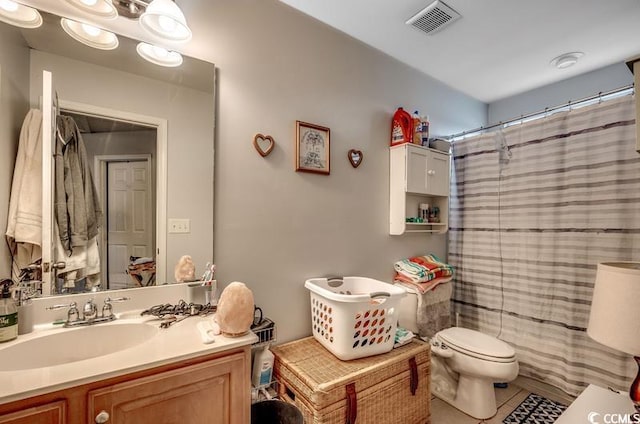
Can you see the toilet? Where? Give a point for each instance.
(465, 364)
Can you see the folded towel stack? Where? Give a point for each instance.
(402, 337)
(422, 273)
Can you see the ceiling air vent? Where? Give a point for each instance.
(434, 18)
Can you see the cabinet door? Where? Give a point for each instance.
(427, 172)
(417, 170)
(438, 174)
(50, 413)
(214, 392)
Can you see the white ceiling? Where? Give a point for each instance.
(498, 48)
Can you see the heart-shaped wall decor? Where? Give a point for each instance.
(355, 157)
(264, 144)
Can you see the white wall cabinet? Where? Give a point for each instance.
(417, 175)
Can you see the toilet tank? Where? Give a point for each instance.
(434, 314)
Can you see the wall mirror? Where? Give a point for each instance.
(149, 135)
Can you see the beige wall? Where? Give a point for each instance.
(275, 228)
(190, 131)
(14, 104)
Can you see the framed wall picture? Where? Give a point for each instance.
(312, 148)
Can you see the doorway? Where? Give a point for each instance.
(128, 154)
(126, 185)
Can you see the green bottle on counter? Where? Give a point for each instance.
(8, 313)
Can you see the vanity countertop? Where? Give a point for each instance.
(178, 342)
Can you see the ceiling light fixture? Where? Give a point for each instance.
(100, 8)
(19, 15)
(90, 35)
(159, 55)
(164, 19)
(566, 60)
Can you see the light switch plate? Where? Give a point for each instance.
(177, 226)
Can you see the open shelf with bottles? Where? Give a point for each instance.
(266, 333)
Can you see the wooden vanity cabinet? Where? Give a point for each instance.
(211, 392)
(49, 413)
(214, 389)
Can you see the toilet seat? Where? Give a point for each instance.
(476, 344)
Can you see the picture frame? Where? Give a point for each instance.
(313, 148)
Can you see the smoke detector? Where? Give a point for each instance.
(433, 18)
(566, 60)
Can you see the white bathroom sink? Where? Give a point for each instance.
(73, 344)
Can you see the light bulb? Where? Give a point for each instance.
(167, 24)
(90, 35)
(9, 5)
(159, 55)
(160, 51)
(101, 8)
(91, 30)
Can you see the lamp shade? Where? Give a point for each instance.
(19, 15)
(163, 18)
(100, 8)
(615, 310)
(90, 35)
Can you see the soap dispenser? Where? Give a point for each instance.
(8, 313)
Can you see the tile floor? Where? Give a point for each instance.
(506, 399)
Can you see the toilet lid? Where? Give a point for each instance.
(477, 344)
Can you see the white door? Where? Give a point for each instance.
(129, 221)
(48, 137)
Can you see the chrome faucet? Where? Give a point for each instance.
(89, 312)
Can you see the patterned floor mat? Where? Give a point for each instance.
(535, 409)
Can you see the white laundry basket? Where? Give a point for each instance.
(354, 317)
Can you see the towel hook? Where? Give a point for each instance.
(56, 105)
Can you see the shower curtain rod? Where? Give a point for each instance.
(546, 110)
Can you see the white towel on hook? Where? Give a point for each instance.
(24, 223)
(83, 258)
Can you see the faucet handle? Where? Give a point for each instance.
(116, 299)
(107, 308)
(72, 314)
(60, 306)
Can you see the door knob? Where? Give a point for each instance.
(102, 417)
(59, 265)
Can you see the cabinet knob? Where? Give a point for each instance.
(102, 417)
(431, 172)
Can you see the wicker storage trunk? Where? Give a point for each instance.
(389, 388)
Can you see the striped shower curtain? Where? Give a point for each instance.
(534, 208)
